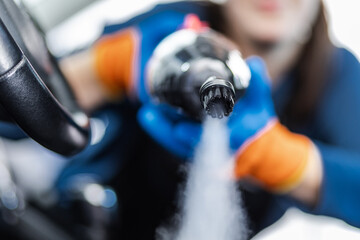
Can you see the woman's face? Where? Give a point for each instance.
(273, 21)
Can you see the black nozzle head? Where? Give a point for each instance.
(217, 97)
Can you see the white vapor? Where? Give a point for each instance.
(211, 207)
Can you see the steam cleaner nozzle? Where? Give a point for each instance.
(199, 73)
(217, 97)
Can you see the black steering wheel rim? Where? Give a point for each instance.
(33, 91)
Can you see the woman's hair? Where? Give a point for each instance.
(310, 74)
(310, 71)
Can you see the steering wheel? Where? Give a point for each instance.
(33, 92)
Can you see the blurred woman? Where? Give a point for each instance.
(304, 151)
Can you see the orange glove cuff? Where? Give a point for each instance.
(115, 57)
(276, 157)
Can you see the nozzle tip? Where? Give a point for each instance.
(217, 99)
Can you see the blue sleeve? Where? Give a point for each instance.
(340, 195)
(338, 113)
(338, 132)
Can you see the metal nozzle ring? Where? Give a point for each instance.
(212, 81)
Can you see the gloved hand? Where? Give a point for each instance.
(121, 56)
(263, 148)
(171, 130)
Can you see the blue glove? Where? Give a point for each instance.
(251, 114)
(255, 110)
(165, 125)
